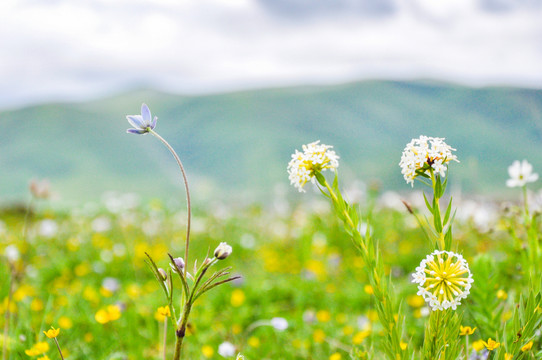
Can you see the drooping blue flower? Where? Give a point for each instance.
(142, 123)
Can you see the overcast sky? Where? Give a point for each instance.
(80, 49)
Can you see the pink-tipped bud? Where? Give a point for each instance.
(223, 251)
(163, 274)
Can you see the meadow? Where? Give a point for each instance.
(326, 277)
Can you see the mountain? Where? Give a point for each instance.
(239, 142)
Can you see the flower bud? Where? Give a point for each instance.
(178, 263)
(163, 274)
(222, 251)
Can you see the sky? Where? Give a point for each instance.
(75, 50)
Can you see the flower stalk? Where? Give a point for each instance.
(144, 124)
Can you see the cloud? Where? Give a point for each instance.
(63, 50)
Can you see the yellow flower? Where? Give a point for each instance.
(52, 332)
(65, 322)
(254, 342)
(162, 313)
(207, 351)
(403, 345)
(466, 330)
(501, 294)
(38, 349)
(491, 344)
(237, 298)
(323, 315)
(110, 313)
(368, 289)
(416, 301)
(508, 356)
(44, 357)
(360, 336)
(318, 336)
(335, 356)
(527, 346)
(478, 345)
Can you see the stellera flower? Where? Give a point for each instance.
(315, 158)
(423, 155)
(142, 123)
(443, 279)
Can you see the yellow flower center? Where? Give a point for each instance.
(444, 278)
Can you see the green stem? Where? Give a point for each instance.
(58, 347)
(440, 234)
(381, 293)
(525, 201)
(165, 337)
(188, 206)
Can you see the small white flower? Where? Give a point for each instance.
(443, 279)
(425, 153)
(240, 357)
(48, 228)
(315, 158)
(279, 323)
(12, 253)
(226, 349)
(520, 173)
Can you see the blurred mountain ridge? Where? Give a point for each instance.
(242, 141)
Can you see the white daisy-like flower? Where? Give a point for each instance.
(315, 158)
(520, 173)
(423, 154)
(443, 279)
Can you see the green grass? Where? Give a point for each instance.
(299, 265)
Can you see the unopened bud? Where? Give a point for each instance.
(223, 251)
(162, 273)
(178, 264)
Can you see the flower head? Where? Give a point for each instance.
(52, 332)
(443, 279)
(226, 349)
(279, 323)
(491, 344)
(466, 330)
(425, 153)
(520, 173)
(142, 123)
(315, 158)
(527, 346)
(222, 251)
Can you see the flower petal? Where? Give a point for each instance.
(136, 131)
(153, 124)
(136, 121)
(146, 114)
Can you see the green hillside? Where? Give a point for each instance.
(243, 141)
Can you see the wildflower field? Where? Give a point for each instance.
(341, 274)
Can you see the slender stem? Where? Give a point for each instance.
(58, 347)
(27, 213)
(165, 337)
(525, 200)
(188, 206)
(437, 204)
(7, 316)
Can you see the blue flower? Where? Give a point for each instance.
(142, 123)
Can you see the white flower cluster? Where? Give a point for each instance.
(424, 153)
(443, 279)
(520, 173)
(315, 157)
